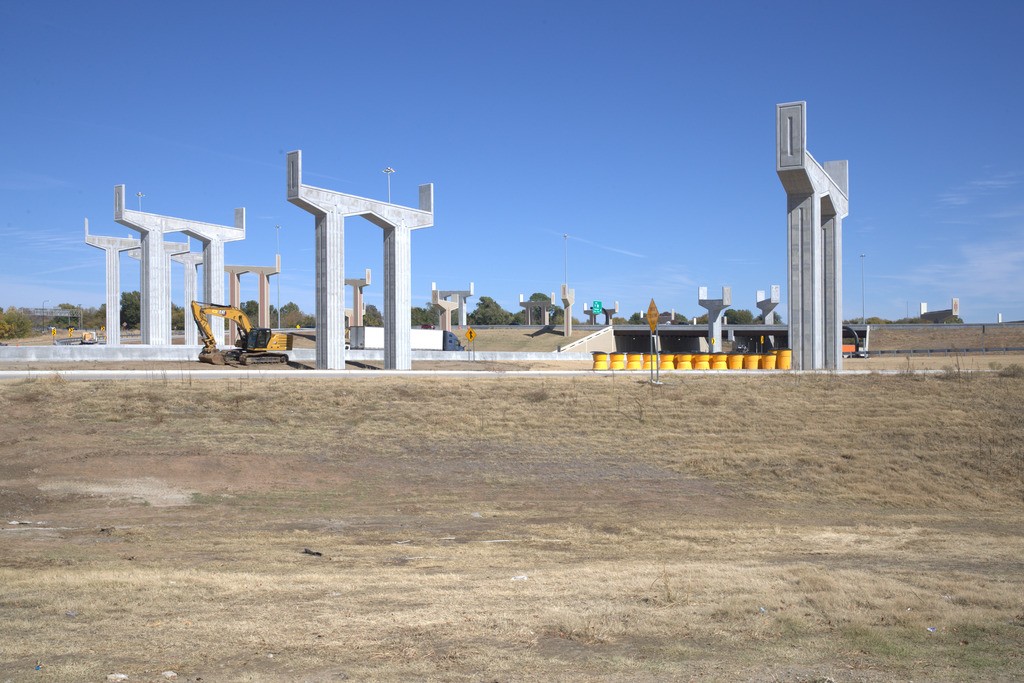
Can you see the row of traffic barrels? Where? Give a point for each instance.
(779, 359)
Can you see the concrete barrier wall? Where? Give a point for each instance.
(144, 353)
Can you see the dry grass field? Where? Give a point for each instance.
(497, 528)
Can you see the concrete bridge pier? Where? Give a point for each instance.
(330, 209)
(715, 309)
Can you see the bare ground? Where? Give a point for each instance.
(792, 527)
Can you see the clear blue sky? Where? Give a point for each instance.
(644, 130)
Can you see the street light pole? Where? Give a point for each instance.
(140, 196)
(862, 317)
(388, 171)
(278, 228)
(565, 265)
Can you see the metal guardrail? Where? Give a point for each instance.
(945, 352)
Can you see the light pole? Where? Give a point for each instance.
(388, 171)
(862, 318)
(565, 265)
(44, 306)
(140, 196)
(278, 228)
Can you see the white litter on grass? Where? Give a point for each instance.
(522, 577)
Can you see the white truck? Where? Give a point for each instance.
(429, 340)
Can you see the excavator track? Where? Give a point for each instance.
(263, 359)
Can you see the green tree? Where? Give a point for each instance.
(252, 309)
(178, 316)
(291, 315)
(423, 316)
(637, 319)
(15, 324)
(131, 309)
(94, 317)
(739, 317)
(489, 312)
(372, 317)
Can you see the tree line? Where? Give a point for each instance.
(17, 323)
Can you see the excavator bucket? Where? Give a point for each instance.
(213, 358)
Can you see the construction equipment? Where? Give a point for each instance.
(255, 344)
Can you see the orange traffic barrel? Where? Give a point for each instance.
(600, 360)
(735, 361)
(617, 361)
(784, 361)
(667, 362)
(751, 361)
(719, 362)
(634, 361)
(768, 361)
(684, 361)
(701, 361)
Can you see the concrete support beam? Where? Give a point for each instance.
(715, 309)
(610, 312)
(768, 304)
(112, 246)
(943, 315)
(443, 307)
(568, 299)
(330, 209)
(358, 308)
(459, 296)
(156, 302)
(191, 260)
(817, 202)
(544, 306)
(171, 250)
(263, 273)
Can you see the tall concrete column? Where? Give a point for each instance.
(715, 309)
(156, 302)
(191, 260)
(397, 298)
(358, 308)
(171, 250)
(112, 247)
(330, 209)
(817, 202)
(568, 299)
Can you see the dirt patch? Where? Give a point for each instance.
(148, 490)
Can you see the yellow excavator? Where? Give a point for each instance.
(255, 344)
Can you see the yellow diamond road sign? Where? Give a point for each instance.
(470, 333)
(652, 316)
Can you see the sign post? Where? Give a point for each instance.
(471, 336)
(652, 320)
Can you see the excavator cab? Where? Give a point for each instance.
(258, 339)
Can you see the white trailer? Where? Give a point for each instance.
(361, 337)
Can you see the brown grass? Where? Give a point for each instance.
(790, 527)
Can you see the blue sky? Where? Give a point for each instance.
(643, 130)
